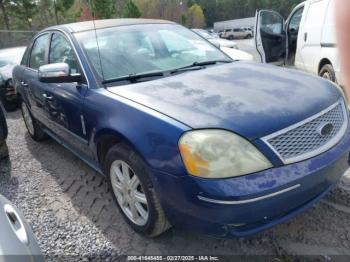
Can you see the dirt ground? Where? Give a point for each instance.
(72, 212)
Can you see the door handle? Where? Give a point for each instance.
(16, 224)
(47, 97)
(24, 84)
(305, 36)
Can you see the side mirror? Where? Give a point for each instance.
(57, 73)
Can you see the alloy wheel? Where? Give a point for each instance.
(129, 192)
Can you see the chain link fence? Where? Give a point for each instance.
(15, 38)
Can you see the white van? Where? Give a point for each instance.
(307, 40)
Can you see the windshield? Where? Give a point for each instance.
(203, 33)
(137, 49)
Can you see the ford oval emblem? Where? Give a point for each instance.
(325, 129)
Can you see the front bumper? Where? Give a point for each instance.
(235, 214)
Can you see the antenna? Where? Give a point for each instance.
(98, 47)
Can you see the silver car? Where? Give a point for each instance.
(17, 241)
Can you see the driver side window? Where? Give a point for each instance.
(295, 20)
(271, 23)
(62, 52)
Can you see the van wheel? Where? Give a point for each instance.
(327, 72)
(32, 125)
(230, 37)
(133, 191)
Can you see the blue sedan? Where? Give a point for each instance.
(185, 136)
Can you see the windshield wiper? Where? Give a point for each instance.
(199, 65)
(133, 77)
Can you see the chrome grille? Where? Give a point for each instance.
(304, 140)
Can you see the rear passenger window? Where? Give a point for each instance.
(38, 55)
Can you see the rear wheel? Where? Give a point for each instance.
(327, 72)
(33, 127)
(133, 191)
(230, 37)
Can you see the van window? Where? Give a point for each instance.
(272, 23)
(294, 21)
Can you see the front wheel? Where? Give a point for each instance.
(33, 127)
(133, 191)
(327, 72)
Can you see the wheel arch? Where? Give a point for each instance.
(106, 138)
(324, 61)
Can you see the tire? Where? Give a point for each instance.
(155, 222)
(4, 152)
(230, 37)
(33, 127)
(3, 125)
(327, 72)
(9, 104)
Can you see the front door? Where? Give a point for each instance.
(68, 97)
(270, 37)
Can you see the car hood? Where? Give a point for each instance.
(6, 71)
(236, 54)
(248, 98)
(222, 42)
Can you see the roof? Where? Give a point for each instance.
(99, 24)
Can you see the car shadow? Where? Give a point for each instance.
(8, 183)
(14, 114)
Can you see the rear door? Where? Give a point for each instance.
(270, 37)
(36, 92)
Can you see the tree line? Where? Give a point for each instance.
(38, 14)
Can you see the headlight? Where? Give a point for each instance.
(219, 154)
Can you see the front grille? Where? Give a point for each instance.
(306, 139)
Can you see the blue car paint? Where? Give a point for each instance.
(249, 99)
(316, 177)
(235, 96)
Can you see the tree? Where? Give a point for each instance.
(131, 10)
(102, 9)
(4, 6)
(24, 11)
(195, 17)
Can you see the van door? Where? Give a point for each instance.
(309, 41)
(293, 25)
(270, 37)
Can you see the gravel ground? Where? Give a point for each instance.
(72, 213)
